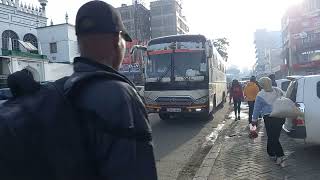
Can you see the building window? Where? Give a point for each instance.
(6, 36)
(31, 39)
(53, 48)
(125, 15)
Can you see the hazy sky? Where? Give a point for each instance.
(235, 19)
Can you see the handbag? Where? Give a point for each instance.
(284, 108)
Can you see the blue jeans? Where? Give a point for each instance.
(251, 107)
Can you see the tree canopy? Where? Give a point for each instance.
(222, 45)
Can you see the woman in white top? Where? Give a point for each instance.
(263, 106)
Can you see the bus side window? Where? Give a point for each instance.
(215, 60)
(211, 61)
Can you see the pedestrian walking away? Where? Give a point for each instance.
(273, 80)
(237, 96)
(229, 92)
(251, 91)
(263, 105)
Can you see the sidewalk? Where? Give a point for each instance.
(238, 157)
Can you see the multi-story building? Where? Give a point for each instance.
(301, 38)
(20, 46)
(312, 5)
(18, 23)
(59, 42)
(136, 19)
(19, 41)
(167, 18)
(268, 51)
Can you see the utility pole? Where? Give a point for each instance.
(136, 19)
(135, 23)
(290, 56)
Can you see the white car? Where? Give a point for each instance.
(305, 92)
(283, 84)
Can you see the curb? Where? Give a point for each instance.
(205, 169)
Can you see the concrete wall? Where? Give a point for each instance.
(64, 36)
(74, 50)
(54, 71)
(35, 66)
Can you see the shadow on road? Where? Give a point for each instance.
(170, 134)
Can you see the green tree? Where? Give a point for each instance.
(222, 45)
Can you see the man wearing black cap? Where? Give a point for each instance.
(111, 104)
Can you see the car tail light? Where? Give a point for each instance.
(300, 120)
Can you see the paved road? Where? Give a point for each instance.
(175, 141)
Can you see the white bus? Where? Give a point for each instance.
(185, 75)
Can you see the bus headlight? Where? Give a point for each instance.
(202, 100)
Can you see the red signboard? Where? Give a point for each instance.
(312, 64)
(128, 57)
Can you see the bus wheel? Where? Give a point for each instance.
(164, 116)
(207, 116)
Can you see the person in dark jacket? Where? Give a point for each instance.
(22, 83)
(273, 80)
(113, 104)
(237, 96)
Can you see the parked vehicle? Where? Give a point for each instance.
(283, 84)
(305, 92)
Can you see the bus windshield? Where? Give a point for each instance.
(159, 65)
(187, 60)
(189, 64)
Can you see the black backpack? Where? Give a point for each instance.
(41, 136)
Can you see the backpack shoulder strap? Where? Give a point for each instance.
(68, 85)
(77, 79)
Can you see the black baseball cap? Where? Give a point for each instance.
(99, 17)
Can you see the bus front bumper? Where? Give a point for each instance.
(195, 109)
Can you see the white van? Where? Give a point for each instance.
(305, 92)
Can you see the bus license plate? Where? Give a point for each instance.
(173, 109)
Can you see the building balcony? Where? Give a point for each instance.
(17, 53)
(307, 46)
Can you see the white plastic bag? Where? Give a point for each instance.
(284, 108)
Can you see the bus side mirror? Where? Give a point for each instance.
(138, 47)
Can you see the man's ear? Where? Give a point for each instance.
(116, 40)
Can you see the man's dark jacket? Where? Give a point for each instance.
(119, 134)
